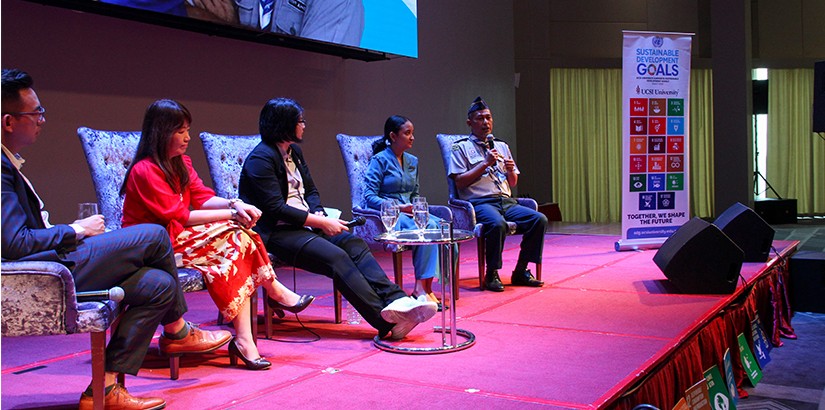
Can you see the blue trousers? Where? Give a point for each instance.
(425, 258)
(493, 213)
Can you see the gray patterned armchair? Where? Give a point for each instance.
(464, 216)
(357, 152)
(225, 155)
(38, 299)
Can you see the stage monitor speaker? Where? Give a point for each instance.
(748, 231)
(819, 97)
(699, 258)
(776, 211)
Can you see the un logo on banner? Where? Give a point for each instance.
(658, 41)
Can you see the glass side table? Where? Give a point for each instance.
(445, 238)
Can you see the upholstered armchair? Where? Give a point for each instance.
(356, 152)
(38, 299)
(464, 216)
(225, 155)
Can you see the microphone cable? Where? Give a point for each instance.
(294, 288)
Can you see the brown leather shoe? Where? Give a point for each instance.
(197, 341)
(118, 398)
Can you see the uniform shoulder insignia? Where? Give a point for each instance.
(456, 143)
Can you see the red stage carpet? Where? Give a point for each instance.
(604, 332)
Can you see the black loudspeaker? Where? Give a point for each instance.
(748, 231)
(760, 96)
(819, 97)
(699, 258)
(776, 211)
(808, 281)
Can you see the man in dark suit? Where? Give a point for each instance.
(139, 259)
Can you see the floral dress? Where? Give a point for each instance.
(232, 259)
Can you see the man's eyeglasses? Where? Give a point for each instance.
(40, 113)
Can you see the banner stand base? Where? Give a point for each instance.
(638, 244)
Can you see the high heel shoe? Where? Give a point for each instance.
(302, 304)
(235, 353)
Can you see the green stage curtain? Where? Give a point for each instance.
(701, 143)
(586, 132)
(796, 156)
(586, 123)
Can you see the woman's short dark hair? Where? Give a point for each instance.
(279, 117)
(393, 124)
(162, 119)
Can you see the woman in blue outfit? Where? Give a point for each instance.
(393, 175)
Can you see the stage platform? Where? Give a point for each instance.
(606, 331)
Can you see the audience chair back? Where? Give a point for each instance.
(225, 155)
(38, 299)
(464, 215)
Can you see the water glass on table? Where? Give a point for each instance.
(389, 215)
(86, 209)
(421, 214)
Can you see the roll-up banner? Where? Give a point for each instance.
(655, 129)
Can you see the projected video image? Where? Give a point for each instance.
(389, 26)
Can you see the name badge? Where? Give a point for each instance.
(474, 157)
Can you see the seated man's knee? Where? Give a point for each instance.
(152, 287)
(500, 227)
(157, 235)
(542, 219)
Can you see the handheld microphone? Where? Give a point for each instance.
(116, 294)
(356, 222)
(490, 139)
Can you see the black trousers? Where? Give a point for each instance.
(494, 212)
(348, 261)
(140, 260)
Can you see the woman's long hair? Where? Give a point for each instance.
(393, 124)
(162, 119)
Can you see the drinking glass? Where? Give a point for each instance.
(421, 214)
(86, 209)
(389, 215)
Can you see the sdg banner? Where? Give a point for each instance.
(655, 129)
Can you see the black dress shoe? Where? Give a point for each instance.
(525, 278)
(493, 282)
(302, 304)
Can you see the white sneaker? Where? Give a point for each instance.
(407, 309)
(400, 330)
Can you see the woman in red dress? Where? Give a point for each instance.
(213, 235)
